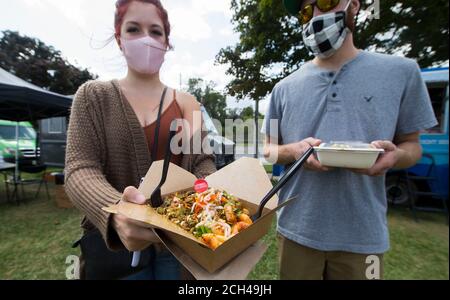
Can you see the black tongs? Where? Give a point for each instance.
(156, 198)
(289, 173)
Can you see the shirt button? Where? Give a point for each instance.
(334, 95)
(331, 74)
(335, 82)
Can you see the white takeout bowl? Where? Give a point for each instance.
(352, 155)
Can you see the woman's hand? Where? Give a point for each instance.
(135, 235)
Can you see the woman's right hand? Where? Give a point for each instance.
(135, 235)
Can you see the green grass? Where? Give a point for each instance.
(36, 238)
(268, 168)
(418, 250)
(267, 268)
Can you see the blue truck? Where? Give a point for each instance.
(434, 162)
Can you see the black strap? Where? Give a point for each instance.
(158, 126)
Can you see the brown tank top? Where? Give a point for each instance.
(170, 113)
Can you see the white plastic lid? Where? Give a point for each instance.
(347, 145)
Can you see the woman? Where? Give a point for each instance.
(111, 145)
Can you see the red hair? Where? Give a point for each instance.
(122, 8)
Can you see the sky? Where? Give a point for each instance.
(80, 29)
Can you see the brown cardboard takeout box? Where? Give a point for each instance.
(246, 179)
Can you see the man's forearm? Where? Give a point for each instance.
(281, 154)
(409, 153)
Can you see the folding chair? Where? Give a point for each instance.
(26, 168)
(432, 179)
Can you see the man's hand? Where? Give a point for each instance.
(312, 163)
(288, 154)
(385, 162)
(135, 236)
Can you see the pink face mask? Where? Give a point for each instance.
(144, 55)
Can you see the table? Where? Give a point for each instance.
(4, 168)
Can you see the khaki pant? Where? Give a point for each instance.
(302, 263)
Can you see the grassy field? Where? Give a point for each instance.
(36, 238)
(419, 250)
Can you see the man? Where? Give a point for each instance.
(337, 227)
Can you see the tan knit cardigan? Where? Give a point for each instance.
(106, 152)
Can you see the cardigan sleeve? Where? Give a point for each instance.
(204, 164)
(85, 183)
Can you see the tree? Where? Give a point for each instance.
(249, 113)
(418, 29)
(233, 113)
(271, 47)
(40, 64)
(213, 101)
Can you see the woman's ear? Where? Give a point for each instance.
(355, 6)
(119, 42)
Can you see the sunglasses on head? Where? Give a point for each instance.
(307, 12)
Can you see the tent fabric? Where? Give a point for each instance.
(23, 101)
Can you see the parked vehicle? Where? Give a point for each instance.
(53, 136)
(434, 142)
(26, 138)
(224, 149)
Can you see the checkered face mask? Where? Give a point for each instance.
(325, 34)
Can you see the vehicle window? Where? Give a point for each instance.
(55, 125)
(9, 132)
(438, 95)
